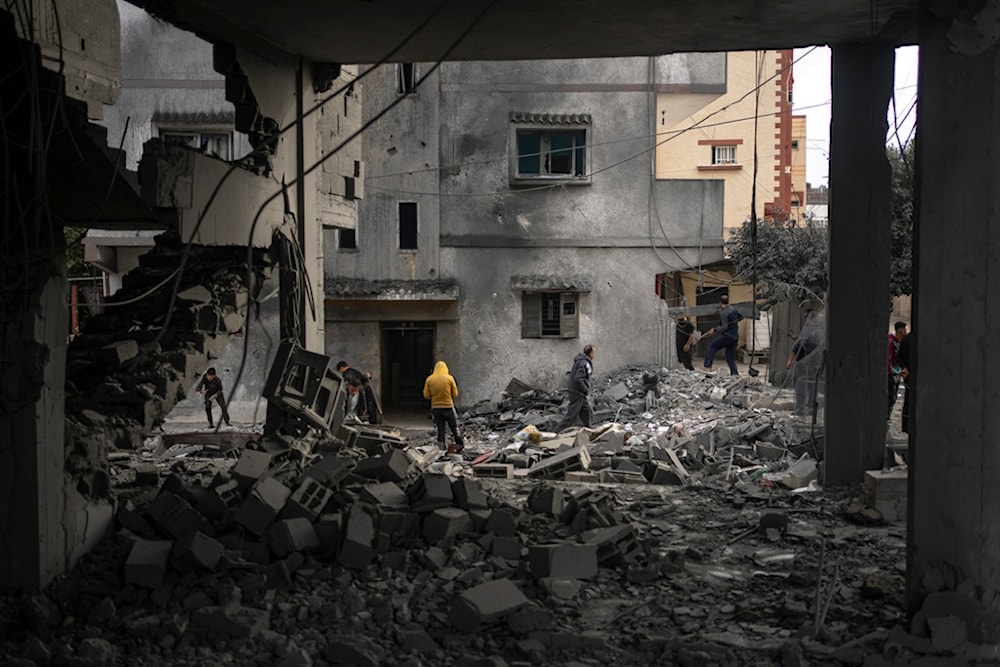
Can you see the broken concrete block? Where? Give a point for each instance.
(147, 563)
(563, 589)
(196, 294)
(577, 458)
(174, 515)
(328, 471)
(117, 353)
(133, 521)
(580, 476)
(618, 392)
(290, 535)
(885, 490)
(386, 494)
(250, 467)
(800, 473)
(509, 548)
(485, 604)
(616, 545)
(392, 466)
(494, 470)
(563, 561)
(429, 492)
(468, 494)
(359, 538)
(768, 452)
(328, 530)
(546, 500)
(503, 521)
(662, 473)
(307, 501)
(262, 505)
(446, 522)
(615, 477)
(195, 552)
(399, 526)
(214, 503)
(621, 464)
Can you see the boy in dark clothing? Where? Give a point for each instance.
(579, 389)
(685, 341)
(211, 388)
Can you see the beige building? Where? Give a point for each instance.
(799, 185)
(711, 135)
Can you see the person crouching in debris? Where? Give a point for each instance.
(211, 388)
(579, 389)
(441, 390)
(368, 409)
(352, 399)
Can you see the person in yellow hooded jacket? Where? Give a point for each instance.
(440, 389)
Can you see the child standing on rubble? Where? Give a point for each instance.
(211, 388)
(441, 390)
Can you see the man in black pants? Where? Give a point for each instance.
(211, 388)
(579, 389)
(685, 341)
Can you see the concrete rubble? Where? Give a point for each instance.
(693, 533)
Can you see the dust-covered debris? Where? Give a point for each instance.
(689, 531)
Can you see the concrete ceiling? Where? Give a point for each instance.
(367, 31)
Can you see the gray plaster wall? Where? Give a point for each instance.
(447, 147)
(166, 70)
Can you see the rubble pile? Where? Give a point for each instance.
(128, 372)
(689, 532)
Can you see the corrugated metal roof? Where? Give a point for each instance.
(394, 290)
(550, 118)
(538, 283)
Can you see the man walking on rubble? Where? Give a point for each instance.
(728, 339)
(441, 390)
(579, 389)
(211, 388)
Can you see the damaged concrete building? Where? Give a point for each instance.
(512, 202)
(54, 503)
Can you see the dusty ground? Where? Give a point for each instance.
(706, 585)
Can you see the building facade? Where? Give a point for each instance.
(512, 215)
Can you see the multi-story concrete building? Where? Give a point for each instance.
(517, 211)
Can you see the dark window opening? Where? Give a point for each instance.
(407, 78)
(408, 225)
(347, 239)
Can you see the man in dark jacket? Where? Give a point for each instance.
(728, 339)
(368, 408)
(579, 389)
(211, 388)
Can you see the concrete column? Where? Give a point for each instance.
(33, 339)
(858, 296)
(954, 522)
(311, 229)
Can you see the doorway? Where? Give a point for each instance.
(407, 360)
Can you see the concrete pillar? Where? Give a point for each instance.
(858, 296)
(33, 339)
(954, 520)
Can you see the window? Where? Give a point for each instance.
(549, 315)
(407, 225)
(551, 154)
(347, 239)
(723, 154)
(795, 144)
(549, 147)
(218, 144)
(406, 78)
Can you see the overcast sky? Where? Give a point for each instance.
(812, 98)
